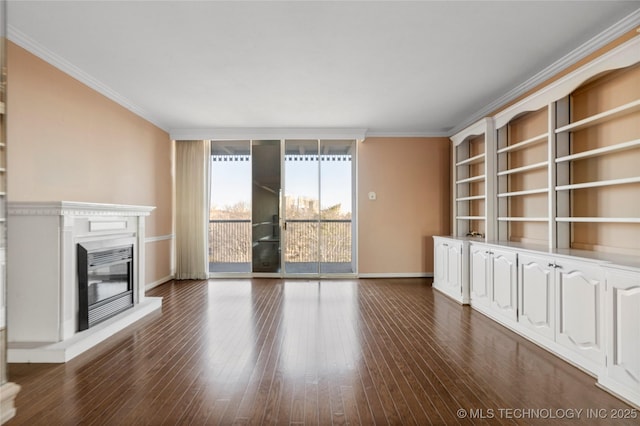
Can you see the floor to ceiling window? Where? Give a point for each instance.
(282, 207)
(230, 207)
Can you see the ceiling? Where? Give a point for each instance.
(390, 67)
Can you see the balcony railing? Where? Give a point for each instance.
(230, 240)
(303, 236)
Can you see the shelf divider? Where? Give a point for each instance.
(527, 192)
(599, 151)
(472, 160)
(520, 145)
(528, 167)
(601, 117)
(598, 183)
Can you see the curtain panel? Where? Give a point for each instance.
(192, 209)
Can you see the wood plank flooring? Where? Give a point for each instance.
(269, 351)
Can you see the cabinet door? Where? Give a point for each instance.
(454, 268)
(504, 283)
(623, 328)
(439, 262)
(536, 295)
(479, 275)
(579, 296)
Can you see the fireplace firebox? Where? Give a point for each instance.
(105, 282)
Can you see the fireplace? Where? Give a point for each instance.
(105, 282)
(55, 323)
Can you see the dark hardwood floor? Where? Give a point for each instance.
(267, 351)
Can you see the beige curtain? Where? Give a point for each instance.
(192, 209)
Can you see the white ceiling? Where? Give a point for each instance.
(394, 68)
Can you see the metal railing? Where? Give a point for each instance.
(230, 240)
(334, 236)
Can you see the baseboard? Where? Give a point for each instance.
(8, 392)
(158, 282)
(397, 275)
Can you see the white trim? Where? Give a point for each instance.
(475, 129)
(624, 55)
(32, 46)
(417, 134)
(158, 238)
(396, 275)
(156, 283)
(275, 133)
(62, 208)
(623, 26)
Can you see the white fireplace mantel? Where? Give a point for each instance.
(42, 292)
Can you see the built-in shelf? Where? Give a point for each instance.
(602, 117)
(472, 197)
(471, 179)
(526, 168)
(470, 217)
(472, 160)
(595, 184)
(523, 219)
(599, 151)
(599, 219)
(527, 192)
(536, 139)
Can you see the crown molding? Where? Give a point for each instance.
(408, 134)
(232, 133)
(18, 37)
(623, 26)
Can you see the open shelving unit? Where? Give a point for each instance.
(472, 191)
(598, 145)
(557, 187)
(522, 166)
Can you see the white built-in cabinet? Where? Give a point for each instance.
(450, 258)
(622, 311)
(492, 281)
(546, 210)
(561, 303)
(472, 183)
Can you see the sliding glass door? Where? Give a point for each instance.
(302, 207)
(337, 201)
(230, 207)
(282, 207)
(319, 200)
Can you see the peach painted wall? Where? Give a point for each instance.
(68, 142)
(411, 178)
